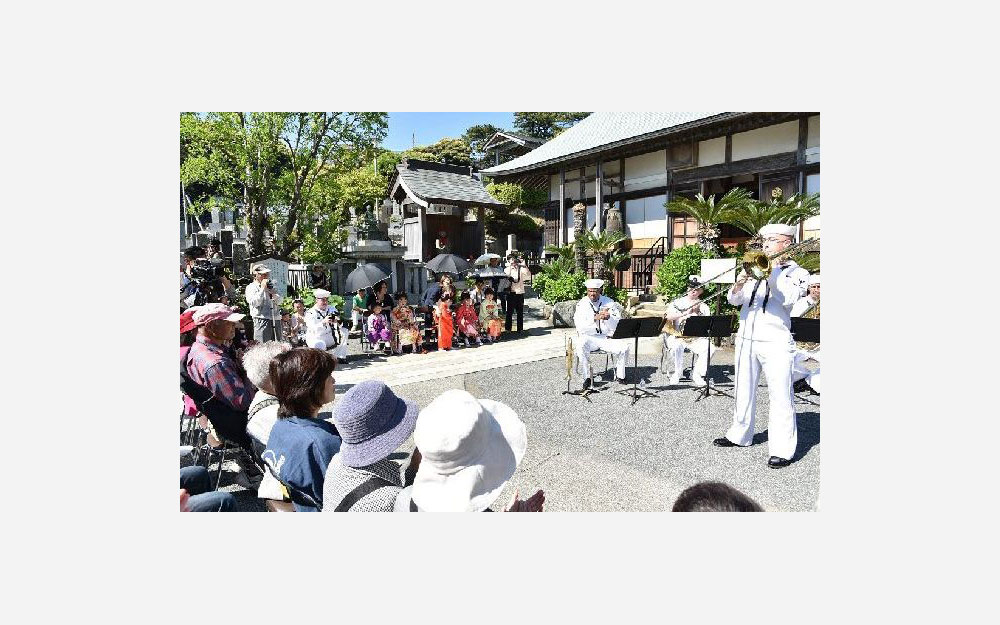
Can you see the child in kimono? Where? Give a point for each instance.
(468, 320)
(404, 327)
(489, 315)
(378, 331)
(442, 316)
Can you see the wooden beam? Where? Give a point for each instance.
(561, 238)
(800, 158)
(729, 148)
(736, 168)
(598, 194)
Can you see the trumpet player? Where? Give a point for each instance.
(802, 376)
(764, 342)
(678, 312)
(596, 318)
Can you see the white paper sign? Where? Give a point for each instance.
(279, 274)
(712, 266)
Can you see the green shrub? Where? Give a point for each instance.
(568, 286)
(672, 275)
(617, 294)
(309, 300)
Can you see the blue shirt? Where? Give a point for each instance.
(299, 452)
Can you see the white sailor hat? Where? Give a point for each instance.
(788, 231)
(594, 283)
(694, 282)
(321, 293)
(814, 279)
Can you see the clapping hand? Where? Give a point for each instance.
(531, 504)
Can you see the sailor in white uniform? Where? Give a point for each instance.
(764, 341)
(596, 318)
(799, 369)
(323, 327)
(678, 312)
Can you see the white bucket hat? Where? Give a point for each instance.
(470, 448)
(788, 231)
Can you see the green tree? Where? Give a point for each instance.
(278, 166)
(672, 274)
(605, 249)
(476, 137)
(710, 214)
(450, 151)
(545, 125)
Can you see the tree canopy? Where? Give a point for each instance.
(284, 170)
(476, 137)
(545, 125)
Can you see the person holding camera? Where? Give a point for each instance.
(518, 275)
(264, 302)
(203, 279)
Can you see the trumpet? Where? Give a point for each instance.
(758, 265)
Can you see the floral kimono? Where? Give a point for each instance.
(404, 328)
(489, 314)
(377, 330)
(468, 321)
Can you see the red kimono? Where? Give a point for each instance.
(445, 326)
(468, 321)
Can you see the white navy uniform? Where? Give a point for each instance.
(320, 335)
(594, 335)
(675, 346)
(764, 341)
(799, 369)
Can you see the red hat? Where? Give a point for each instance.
(187, 323)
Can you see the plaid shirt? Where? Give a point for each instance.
(210, 366)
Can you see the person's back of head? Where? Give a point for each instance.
(298, 377)
(714, 497)
(257, 362)
(194, 252)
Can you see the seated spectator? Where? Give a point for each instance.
(404, 326)
(489, 316)
(263, 411)
(469, 450)
(714, 497)
(378, 330)
(374, 422)
(195, 495)
(301, 445)
(467, 320)
(478, 292)
(188, 333)
(358, 311)
(211, 365)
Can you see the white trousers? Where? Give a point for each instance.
(801, 371)
(619, 348)
(775, 359)
(325, 342)
(675, 350)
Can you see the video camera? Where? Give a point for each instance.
(206, 276)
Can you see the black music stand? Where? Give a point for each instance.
(806, 330)
(633, 329)
(709, 326)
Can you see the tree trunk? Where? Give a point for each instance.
(579, 227)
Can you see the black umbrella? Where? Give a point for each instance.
(366, 275)
(447, 263)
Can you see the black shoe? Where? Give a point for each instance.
(589, 382)
(621, 380)
(800, 386)
(776, 463)
(724, 442)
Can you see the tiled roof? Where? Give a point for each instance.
(441, 184)
(599, 130)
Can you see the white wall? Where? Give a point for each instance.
(646, 218)
(554, 187)
(646, 171)
(812, 137)
(712, 151)
(812, 186)
(764, 141)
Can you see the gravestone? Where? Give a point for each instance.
(240, 260)
(226, 236)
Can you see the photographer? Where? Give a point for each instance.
(204, 280)
(264, 301)
(518, 274)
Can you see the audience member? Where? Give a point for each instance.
(518, 275)
(404, 326)
(445, 325)
(469, 450)
(374, 423)
(489, 316)
(358, 310)
(296, 334)
(380, 295)
(263, 301)
(263, 411)
(197, 494)
(477, 293)
(714, 497)
(467, 320)
(324, 328)
(301, 445)
(318, 278)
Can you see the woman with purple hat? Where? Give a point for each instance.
(373, 423)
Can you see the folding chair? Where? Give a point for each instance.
(608, 358)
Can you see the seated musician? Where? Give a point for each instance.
(802, 376)
(678, 312)
(596, 318)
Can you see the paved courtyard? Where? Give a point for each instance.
(605, 454)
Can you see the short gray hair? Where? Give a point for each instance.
(257, 360)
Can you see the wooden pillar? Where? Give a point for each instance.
(422, 223)
(561, 237)
(583, 192)
(599, 194)
(481, 218)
